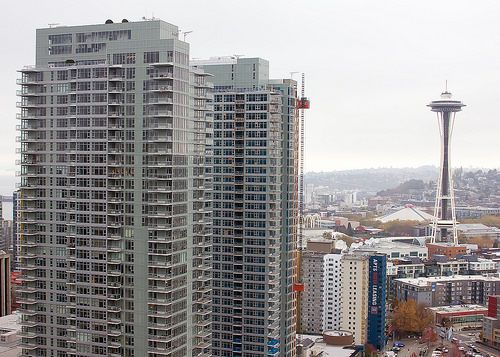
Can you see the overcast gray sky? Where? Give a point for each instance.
(371, 67)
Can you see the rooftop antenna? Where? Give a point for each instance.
(292, 73)
(185, 33)
(53, 25)
(144, 18)
(238, 56)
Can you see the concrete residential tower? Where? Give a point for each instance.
(114, 231)
(254, 209)
(363, 297)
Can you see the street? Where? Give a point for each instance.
(412, 346)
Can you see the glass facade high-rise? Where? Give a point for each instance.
(254, 209)
(114, 208)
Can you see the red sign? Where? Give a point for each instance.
(303, 103)
(298, 287)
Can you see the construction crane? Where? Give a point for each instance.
(302, 104)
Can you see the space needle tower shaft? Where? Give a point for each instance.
(444, 210)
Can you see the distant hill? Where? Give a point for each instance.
(370, 180)
(405, 187)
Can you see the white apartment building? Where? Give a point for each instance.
(482, 265)
(332, 291)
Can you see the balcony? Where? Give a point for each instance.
(166, 100)
(162, 88)
(28, 346)
(273, 351)
(203, 312)
(162, 75)
(160, 302)
(26, 278)
(161, 113)
(159, 326)
(160, 338)
(167, 351)
(114, 309)
(203, 322)
(203, 344)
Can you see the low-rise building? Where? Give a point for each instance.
(471, 230)
(331, 343)
(459, 315)
(491, 324)
(449, 249)
(476, 211)
(393, 248)
(448, 290)
(10, 335)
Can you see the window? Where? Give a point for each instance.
(151, 57)
(60, 50)
(58, 39)
(124, 58)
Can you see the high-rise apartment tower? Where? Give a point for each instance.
(114, 231)
(363, 297)
(254, 209)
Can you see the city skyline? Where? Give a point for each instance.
(370, 70)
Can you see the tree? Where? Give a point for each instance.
(462, 239)
(429, 335)
(370, 350)
(486, 220)
(482, 242)
(367, 221)
(341, 229)
(410, 317)
(348, 240)
(350, 231)
(399, 228)
(327, 235)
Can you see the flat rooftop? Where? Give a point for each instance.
(327, 350)
(444, 279)
(458, 308)
(11, 322)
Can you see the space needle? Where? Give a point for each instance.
(444, 209)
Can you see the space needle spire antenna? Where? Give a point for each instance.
(444, 209)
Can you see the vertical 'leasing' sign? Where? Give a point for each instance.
(374, 278)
